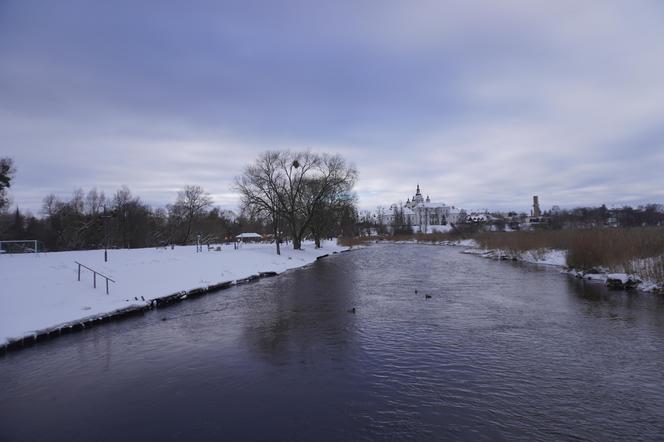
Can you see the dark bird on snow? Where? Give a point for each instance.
(352, 310)
(427, 296)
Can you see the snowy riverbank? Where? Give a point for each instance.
(558, 258)
(40, 292)
(613, 277)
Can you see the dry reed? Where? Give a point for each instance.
(638, 250)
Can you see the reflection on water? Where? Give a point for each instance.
(500, 351)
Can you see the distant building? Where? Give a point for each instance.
(536, 212)
(249, 237)
(422, 213)
(479, 217)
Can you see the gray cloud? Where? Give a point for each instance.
(483, 103)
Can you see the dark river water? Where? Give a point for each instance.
(501, 351)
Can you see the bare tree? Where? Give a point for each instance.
(78, 201)
(381, 217)
(131, 219)
(259, 186)
(292, 187)
(121, 202)
(94, 202)
(190, 204)
(331, 214)
(50, 204)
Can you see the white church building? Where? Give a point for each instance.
(425, 216)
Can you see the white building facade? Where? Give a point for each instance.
(424, 215)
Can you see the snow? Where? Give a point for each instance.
(622, 277)
(547, 257)
(558, 258)
(550, 257)
(436, 228)
(40, 291)
(594, 276)
(466, 243)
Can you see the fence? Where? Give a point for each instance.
(94, 275)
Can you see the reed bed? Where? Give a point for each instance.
(638, 250)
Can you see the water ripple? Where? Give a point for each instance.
(501, 351)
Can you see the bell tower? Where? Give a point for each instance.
(418, 196)
(536, 208)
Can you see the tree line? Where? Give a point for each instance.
(305, 195)
(93, 220)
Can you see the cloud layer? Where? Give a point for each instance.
(483, 103)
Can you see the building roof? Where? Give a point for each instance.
(431, 205)
(249, 235)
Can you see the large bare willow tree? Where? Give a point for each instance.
(293, 189)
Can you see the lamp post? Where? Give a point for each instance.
(105, 217)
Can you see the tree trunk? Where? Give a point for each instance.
(188, 232)
(295, 235)
(276, 235)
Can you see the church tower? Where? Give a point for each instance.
(418, 196)
(536, 208)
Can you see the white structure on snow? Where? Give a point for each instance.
(427, 215)
(249, 237)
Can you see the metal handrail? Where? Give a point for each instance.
(94, 275)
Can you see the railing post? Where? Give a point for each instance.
(94, 276)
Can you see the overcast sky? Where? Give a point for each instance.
(484, 103)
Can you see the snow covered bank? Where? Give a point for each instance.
(545, 257)
(558, 258)
(40, 292)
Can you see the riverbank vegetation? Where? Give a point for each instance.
(586, 248)
(633, 250)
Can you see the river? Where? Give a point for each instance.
(501, 351)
